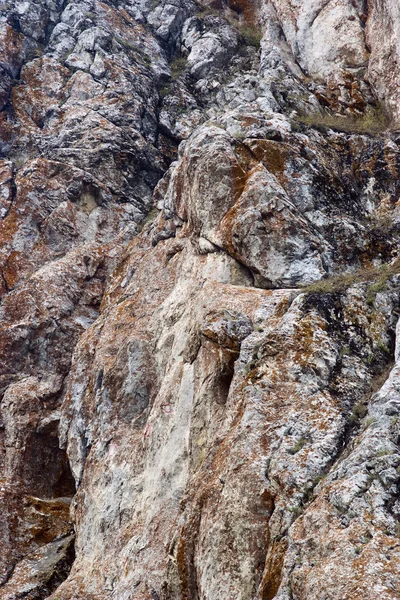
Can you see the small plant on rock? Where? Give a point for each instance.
(296, 511)
(164, 91)
(359, 412)
(373, 121)
(251, 34)
(369, 422)
(298, 446)
(178, 66)
(339, 283)
(383, 348)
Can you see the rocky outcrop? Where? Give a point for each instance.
(199, 288)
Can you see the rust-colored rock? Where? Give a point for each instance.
(199, 300)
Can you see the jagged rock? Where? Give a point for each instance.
(211, 42)
(324, 37)
(382, 37)
(39, 573)
(199, 338)
(285, 211)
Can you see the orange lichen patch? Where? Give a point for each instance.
(385, 207)
(13, 267)
(233, 214)
(322, 541)
(119, 19)
(9, 226)
(227, 225)
(391, 159)
(247, 10)
(368, 165)
(46, 76)
(183, 567)
(307, 339)
(273, 155)
(126, 323)
(6, 127)
(247, 121)
(273, 569)
(342, 96)
(129, 20)
(41, 171)
(41, 89)
(46, 519)
(242, 169)
(123, 25)
(308, 325)
(20, 108)
(10, 46)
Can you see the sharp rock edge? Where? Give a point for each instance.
(199, 282)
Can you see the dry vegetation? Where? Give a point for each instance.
(379, 276)
(373, 121)
(178, 66)
(251, 34)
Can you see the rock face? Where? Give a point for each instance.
(199, 300)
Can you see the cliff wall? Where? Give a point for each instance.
(200, 295)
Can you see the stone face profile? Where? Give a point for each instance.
(199, 300)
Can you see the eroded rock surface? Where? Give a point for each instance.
(199, 300)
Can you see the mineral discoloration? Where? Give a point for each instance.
(199, 287)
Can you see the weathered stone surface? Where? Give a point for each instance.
(324, 36)
(39, 573)
(199, 300)
(286, 210)
(382, 37)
